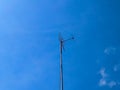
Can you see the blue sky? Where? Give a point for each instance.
(29, 46)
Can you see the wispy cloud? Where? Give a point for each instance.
(116, 67)
(112, 84)
(110, 50)
(103, 74)
(105, 80)
(102, 82)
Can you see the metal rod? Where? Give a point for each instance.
(61, 66)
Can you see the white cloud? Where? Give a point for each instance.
(102, 82)
(110, 50)
(105, 80)
(102, 73)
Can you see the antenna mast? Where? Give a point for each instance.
(61, 40)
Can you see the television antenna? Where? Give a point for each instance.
(62, 41)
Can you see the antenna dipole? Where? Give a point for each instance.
(61, 40)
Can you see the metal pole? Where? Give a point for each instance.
(61, 67)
